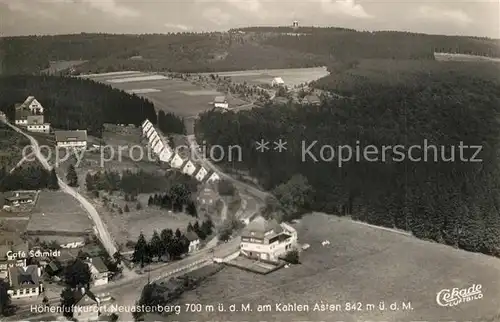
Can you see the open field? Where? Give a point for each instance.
(362, 264)
(127, 226)
(59, 212)
(291, 76)
(11, 231)
(464, 58)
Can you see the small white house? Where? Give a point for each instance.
(221, 102)
(99, 271)
(165, 154)
(158, 146)
(146, 127)
(150, 132)
(71, 139)
(277, 81)
(189, 168)
(214, 177)
(194, 241)
(176, 162)
(201, 174)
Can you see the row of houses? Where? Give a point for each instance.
(166, 154)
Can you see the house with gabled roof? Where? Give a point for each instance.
(267, 240)
(71, 139)
(25, 282)
(189, 168)
(86, 305)
(176, 162)
(221, 102)
(277, 81)
(194, 241)
(214, 177)
(201, 174)
(311, 100)
(99, 271)
(33, 105)
(165, 154)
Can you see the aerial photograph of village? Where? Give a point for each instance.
(249, 160)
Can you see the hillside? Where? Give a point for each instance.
(441, 194)
(250, 48)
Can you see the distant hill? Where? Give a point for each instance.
(247, 48)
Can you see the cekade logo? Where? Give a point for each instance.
(455, 296)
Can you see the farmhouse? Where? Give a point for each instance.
(221, 102)
(311, 100)
(32, 105)
(17, 198)
(277, 81)
(201, 174)
(99, 270)
(35, 123)
(194, 241)
(25, 282)
(86, 307)
(267, 240)
(71, 139)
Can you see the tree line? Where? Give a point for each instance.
(170, 123)
(169, 244)
(30, 177)
(262, 47)
(450, 201)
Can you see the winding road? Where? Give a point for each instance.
(102, 233)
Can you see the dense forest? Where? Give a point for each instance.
(75, 103)
(450, 201)
(248, 48)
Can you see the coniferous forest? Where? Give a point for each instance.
(449, 201)
(75, 103)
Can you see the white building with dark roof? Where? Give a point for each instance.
(25, 282)
(267, 240)
(99, 270)
(214, 177)
(35, 123)
(71, 139)
(86, 307)
(221, 102)
(194, 241)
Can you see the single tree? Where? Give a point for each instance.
(155, 245)
(141, 251)
(71, 176)
(5, 300)
(53, 181)
(67, 301)
(77, 274)
(126, 208)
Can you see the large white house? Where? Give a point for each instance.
(33, 105)
(267, 240)
(35, 123)
(25, 282)
(71, 139)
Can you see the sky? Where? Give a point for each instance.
(457, 17)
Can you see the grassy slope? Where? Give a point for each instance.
(362, 264)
